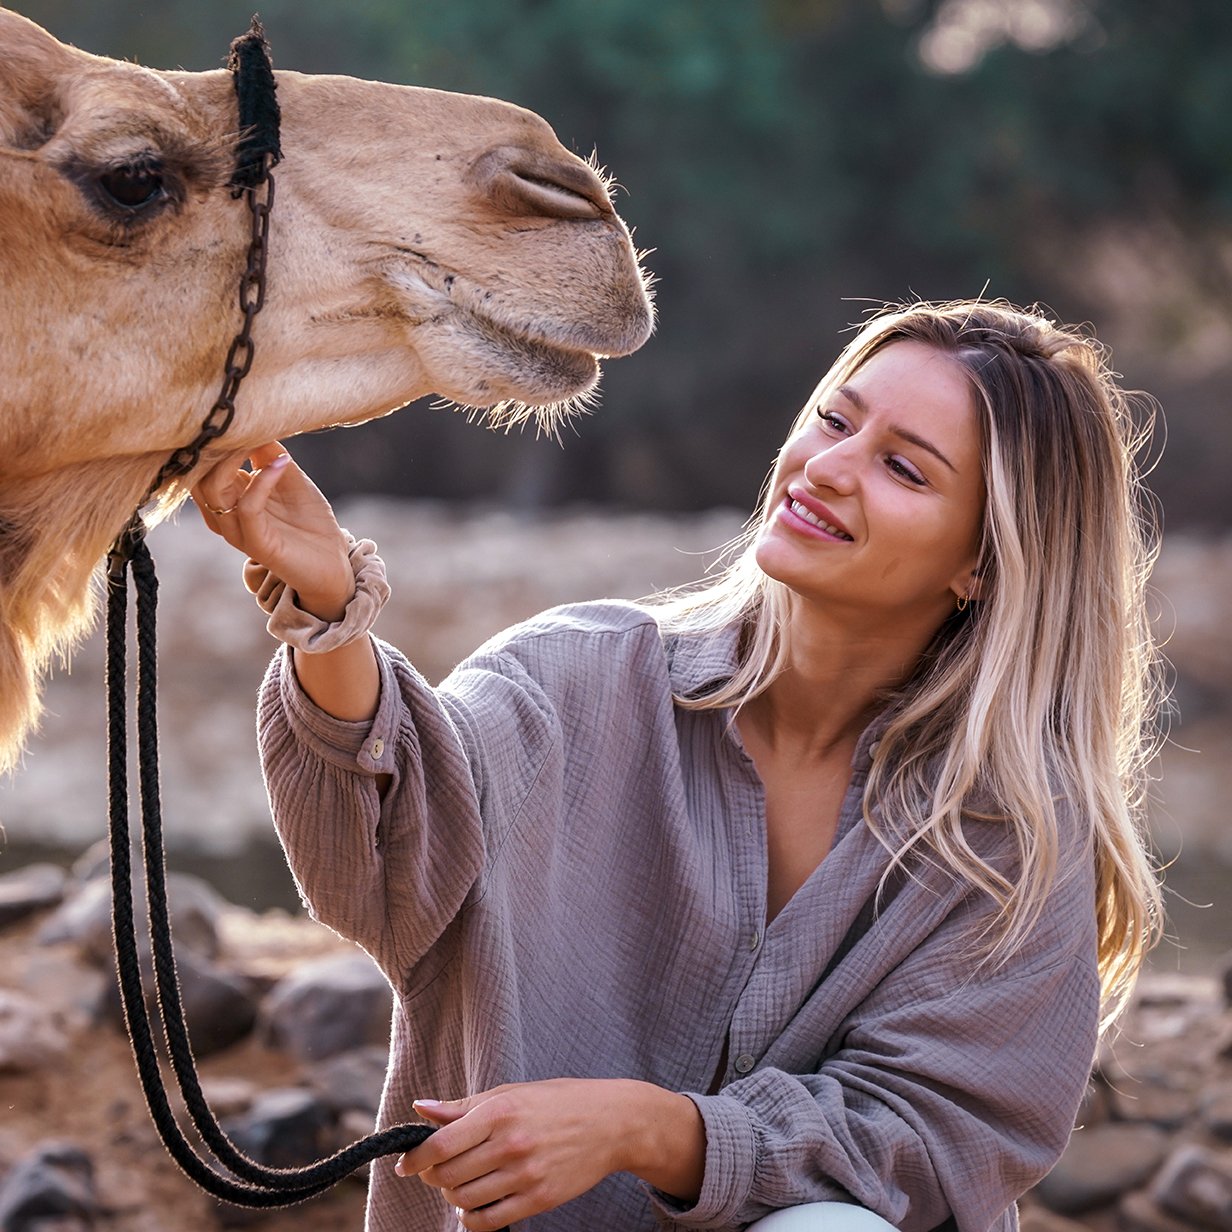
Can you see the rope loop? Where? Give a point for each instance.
(250, 1183)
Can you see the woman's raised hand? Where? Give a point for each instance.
(279, 518)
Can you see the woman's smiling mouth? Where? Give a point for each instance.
(820, 520)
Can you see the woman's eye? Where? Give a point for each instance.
(135, 186)
(905, 471)
(831, 420)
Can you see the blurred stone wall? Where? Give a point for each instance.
(460, 576)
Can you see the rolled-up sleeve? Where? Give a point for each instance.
(946, 1108)
(389, 870)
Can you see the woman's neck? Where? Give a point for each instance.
(833, 684)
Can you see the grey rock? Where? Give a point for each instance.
(1215, 1109)
(228, 1097)
(95, 861)
(53, 1183)
(220, 1008)
(329, 1006)
(27, 890)
(1139, 1212)
(1100, 1164)
(30, 1035)
(84, 919)
(64, 983)
(352, 1081)
(284, 1128)
(1195, 1184)
(1041, 1219)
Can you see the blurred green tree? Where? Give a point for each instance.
(780, 155)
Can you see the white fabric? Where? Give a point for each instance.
(822, 1217)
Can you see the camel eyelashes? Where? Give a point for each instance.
(133, 186)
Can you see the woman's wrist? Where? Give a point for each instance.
(663, 1139)
(328, 601)
(331, 614)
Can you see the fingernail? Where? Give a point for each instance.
(281, 460)
(400, 1167)
(427, 1103)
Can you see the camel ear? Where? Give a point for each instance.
(35, 64)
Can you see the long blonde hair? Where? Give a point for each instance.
(1048, 686)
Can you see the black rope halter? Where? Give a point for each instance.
(250, 1183)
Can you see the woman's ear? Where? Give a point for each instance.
(969, 586)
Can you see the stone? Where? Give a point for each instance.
(30, 1035)
(54, 1182)
(1215, 1110)
(351, 1081)
(329, 1006)
(220, 1008)
(64, 983)
(284, 1128)
(1195, 1184)
(228, 1097)
(84, 919)
(1139, 1212)
(27, 890)
(1153, 1102)
(1100, 1164)
(1041, 1219)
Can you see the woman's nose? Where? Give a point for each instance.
(835, 467)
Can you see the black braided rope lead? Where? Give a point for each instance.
(259, 1185)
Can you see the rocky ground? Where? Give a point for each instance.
(289, 1025)
(1154, 1153)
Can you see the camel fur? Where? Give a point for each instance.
(422, 242)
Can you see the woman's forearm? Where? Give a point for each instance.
(344, 682)
(666, 1140)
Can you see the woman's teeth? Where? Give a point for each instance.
(809, 516)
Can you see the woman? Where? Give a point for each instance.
(808, 885)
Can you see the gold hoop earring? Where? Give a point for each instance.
(964, 602)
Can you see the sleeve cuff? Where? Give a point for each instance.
(366, 746)
(731, 1161)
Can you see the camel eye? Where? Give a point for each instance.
(134, 186)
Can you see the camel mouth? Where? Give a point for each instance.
(537, 361)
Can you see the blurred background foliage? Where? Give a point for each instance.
(791, 162)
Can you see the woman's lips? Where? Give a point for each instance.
(815, 515)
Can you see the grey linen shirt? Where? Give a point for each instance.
(567, 877)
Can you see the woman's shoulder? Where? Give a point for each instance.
(602, 634)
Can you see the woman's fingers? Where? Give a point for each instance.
(219, 492)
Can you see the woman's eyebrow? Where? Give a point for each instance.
(857, 400)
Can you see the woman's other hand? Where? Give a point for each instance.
(522, 1149)
(279, 518)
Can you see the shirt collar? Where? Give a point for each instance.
(699, 663)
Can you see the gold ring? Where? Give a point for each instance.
(218, 513)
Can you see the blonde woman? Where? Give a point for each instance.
(810, 886)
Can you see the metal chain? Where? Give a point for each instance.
(242, 349)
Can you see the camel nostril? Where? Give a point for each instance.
(552, 198)
(527, 183)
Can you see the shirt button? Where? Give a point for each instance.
(872, 749)
(378, 747)
(744, 1063)
(754, 941)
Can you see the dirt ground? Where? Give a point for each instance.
(92, 1098)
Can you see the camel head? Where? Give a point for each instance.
(421, 242)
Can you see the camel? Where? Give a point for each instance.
(421, 242)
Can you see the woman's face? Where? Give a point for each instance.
(877, 499)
